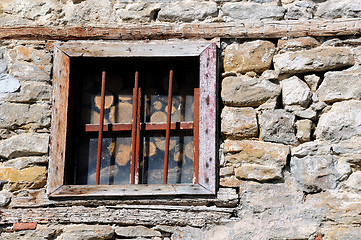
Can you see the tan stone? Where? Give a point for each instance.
(33, 177)
(258, 172)
(239, 122)
(87, 232)
(304, 127)
(297, 43)
(231, 181)
(317, 59)
(256, 152)
(250, 56)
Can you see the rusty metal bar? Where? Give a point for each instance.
(167, 134)
(118, 127)
(196, 137)
(134, 127)
(101, 122)
(138, 137)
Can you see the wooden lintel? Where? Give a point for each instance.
(242, 29)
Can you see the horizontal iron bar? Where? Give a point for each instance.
(144, 126)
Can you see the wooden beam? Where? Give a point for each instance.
(241, 29)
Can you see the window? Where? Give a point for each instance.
(128, 119)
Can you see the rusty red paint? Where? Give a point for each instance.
(134, 127)
(167, 133)
(24, 226)
(100, 135)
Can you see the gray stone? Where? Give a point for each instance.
(297, 43)
(269, 75)
(30, 53)
(248, 92)
(304, 128)
(336, 86)
(337, 9)
(257, 172)
(239, 122)
(24, 162)
(311, 149)
(29, 72)
(300, 10)
(308, 114)
(316, 173)
(3, 65)
(43, 234)
(354, 182)
(313, 81)
(350, 146)
(226, 171)
(245, 10)
(14, 115)
(228, 197)
(342, 122)
(188, 11)
(295, 92)
(255, 56)
(317, 59)
(8, 84)
(187, 233)
(5, 198)
(136, 231)
(31, 92)
(343, 233)
(24, 145)
(139, 11)
(87, 232)
(278, 126)
(318, 106)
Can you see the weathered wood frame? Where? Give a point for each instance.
(63, 52)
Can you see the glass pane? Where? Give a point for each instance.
(180, 163)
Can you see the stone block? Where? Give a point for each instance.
(188, 11)
(14, 115)
(139, 11)
(136, 231)
(297, 43)
(30, 54)
(5, 198)
(258, 172)
(342, 122)
(230, 181)
(313, 81)
(87, 232)
(254, 11)
(226, 171)
(336, 86)
(316, 173)
(43, 234)
(239, 123)
(31, 92)
(337, 9)
(295, 92)
(255, 152)
(32, 177)
(278, 126)
(354, 182)
(8, 84)
(250, 56)
(308, 114)
(25, 162)
(311, 149)
(248, 92)
(29, 72)
(304, 128)
(317, 59)
(343, 233)
(24, 145)
(300, 10)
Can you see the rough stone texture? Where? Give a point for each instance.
(342, 122)
(312, 81)
(15, 115)
(25, 162)
(32, 177)
(29, 72)
(257, 172)
(316, 173)
(5, 198)
(318, 59)
(337, 9)
(230, 181)
(300, 10)
(136, 231)
(336, 86)
(31, 54)
(354, 182)
(3, 61)
(43, 234)
(139, 11)
(24, 145)
(308, 114)
(304, 130)
(87, 232)
(8, 84)
(297, 43)
(188, 11)
(31, 92)
(295, 92)
(248, 92)
(250, 56)
(278, 126)
(239, 122)
(242, 10)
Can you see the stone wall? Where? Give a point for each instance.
(290, 120)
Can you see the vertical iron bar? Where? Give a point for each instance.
(101, 123)
(134, 127)
(138, 137)
(167, 134)
(196, 137)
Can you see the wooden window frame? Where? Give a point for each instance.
(65, 51)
